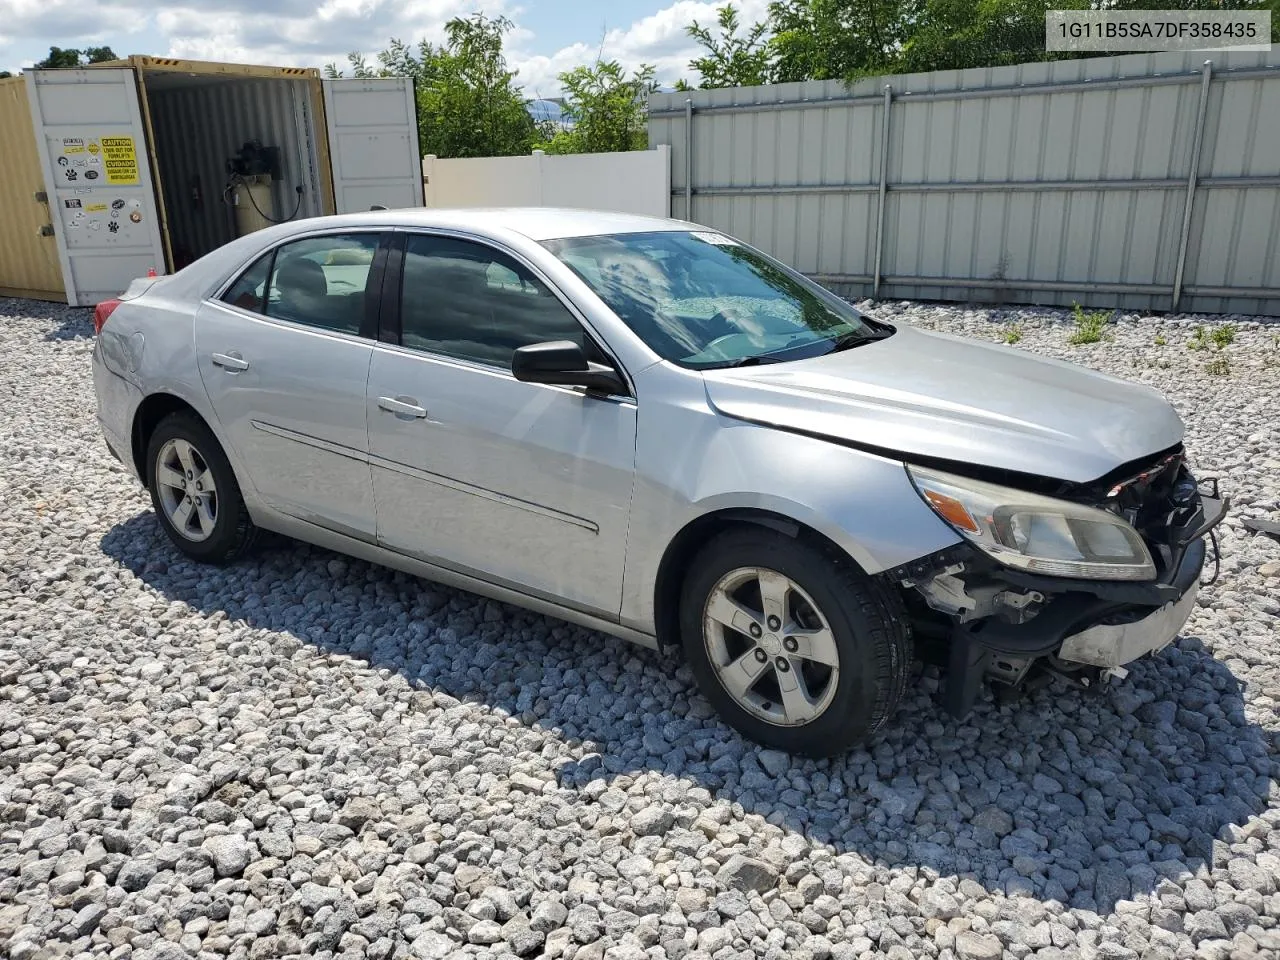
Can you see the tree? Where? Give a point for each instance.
(731, 59)
(472, 107)
(958, 34)
(608, 109)
(70, 57)
(838, 39)
(5, 74)
(468, 103)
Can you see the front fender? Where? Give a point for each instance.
(692, 462)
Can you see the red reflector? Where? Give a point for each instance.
(101, 312)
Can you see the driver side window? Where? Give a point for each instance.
(465, 300)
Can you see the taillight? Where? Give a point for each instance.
(101, 312)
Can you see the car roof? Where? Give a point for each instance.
(535, 223)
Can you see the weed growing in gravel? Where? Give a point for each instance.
(1218, 367)
(1221, 336)
(1160, 341)
(1089, 325)
(1012, 333)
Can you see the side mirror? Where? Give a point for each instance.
(564, 362)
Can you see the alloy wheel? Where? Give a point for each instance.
(771, 648)
(187, 490)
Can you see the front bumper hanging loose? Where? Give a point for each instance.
(1094, 624)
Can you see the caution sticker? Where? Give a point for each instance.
(120, 160)
(95, 207)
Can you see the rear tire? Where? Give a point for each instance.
(194, 491)
(818, 654)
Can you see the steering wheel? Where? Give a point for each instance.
(721, 339)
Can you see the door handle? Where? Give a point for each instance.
(230, 362)
(402, 408)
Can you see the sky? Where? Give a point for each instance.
(550, 36)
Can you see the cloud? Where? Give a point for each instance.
(315, 32)
(65, 23)
(660, 39)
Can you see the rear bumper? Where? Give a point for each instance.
(117, 400)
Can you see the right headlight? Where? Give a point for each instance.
(1038, 534)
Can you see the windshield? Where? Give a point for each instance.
(702, 300)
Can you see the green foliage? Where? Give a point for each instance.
(5, 74)
(848, 39)
(838, 39)
(732, 59)
(1223, 336)
(71, 57)
(1012, 333)
(468, 101)
(1220, 337)
(1160, 341)
(958, 34)
(1089, 325)
(608, 108)
(1218, 367)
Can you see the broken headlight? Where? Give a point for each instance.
(1035, 533)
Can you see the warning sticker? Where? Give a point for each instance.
(121, 161)
(95, 207)
(72, 145)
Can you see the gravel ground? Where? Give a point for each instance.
(308, 755)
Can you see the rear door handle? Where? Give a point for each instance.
(407, 408)
(230, 362)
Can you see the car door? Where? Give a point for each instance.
(284, 355)
(526, 485)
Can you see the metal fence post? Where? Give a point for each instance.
(884, 174)
(1205, 75)
(688, 158)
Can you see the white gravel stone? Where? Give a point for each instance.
(305, 755)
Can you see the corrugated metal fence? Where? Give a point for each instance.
(1140, 182)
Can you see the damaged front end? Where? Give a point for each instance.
(1057, 579)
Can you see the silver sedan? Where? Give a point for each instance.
(649, 428)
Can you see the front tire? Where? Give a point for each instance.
(194, 491)
(794, 646)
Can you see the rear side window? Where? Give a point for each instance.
(466, 300)
(323, 281)
(249, 292)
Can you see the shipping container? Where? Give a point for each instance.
(150, 163)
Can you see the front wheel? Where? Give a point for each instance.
(794, 646)
(195, 493)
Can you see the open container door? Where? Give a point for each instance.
(373, 143)
(93, 154)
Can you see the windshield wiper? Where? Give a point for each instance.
(847, 341)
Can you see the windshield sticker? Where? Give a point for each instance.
(719, 239)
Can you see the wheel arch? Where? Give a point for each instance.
(684, 546)
(154, 408)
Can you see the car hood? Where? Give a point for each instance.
(929, 395)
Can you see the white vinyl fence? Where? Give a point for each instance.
(638, 181)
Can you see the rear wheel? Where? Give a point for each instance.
(195, 493)
(796, 647)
